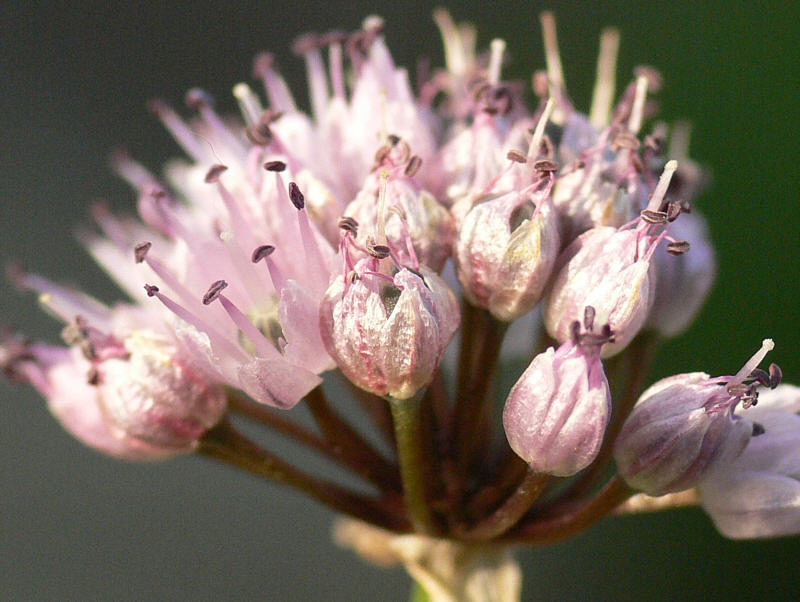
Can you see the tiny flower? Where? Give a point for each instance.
(556, 414)
(388, 333)
(392, 202)
(684, 426)
(155, 395)
(611, 270)
(758, 494)
(508, 242)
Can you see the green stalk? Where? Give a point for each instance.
(406, 415)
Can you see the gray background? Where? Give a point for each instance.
(75, 79)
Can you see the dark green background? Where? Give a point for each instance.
(75, 79)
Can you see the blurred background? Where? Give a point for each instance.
(75, 81)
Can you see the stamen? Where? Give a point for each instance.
(201, 101)
(775, 375)
(516, 156)
(140, 251)
(297, 198)
(262, 344)
(538, 133)
(413, 166)
(767, 345)
(678, 247)
(555, 74)
(275, 166)
(606, 79)
(217, 339)
(588, 317)
(382, 207)
(497, 46)
(454, 54)
(214, 291)
(181, 132)
(663, 184)
(308, 46)
(637, 111)
(335, 62)
(275, 274)
(213, 174)
(249, 104)
(348, 224)
(280, 98)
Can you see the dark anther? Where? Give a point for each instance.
(626, 140)
(297, 198)
(414, 163)
(382, 153)
(214, 173)
(274, 165)
(480, 88)
(588, 317)
(653, 217)
(261, 252)
(607, 333)
(545, 166)
(305, 43)
(93, 376)
(263, 62)
(762, 376)
(775, 375)
(157, 107)
(333, 37)
(758, 429)
(197, 98)
(393, 139)
(516, 156)
(151, 289)
(490, 110)
(349, 224)
(140, 251)
(259, 134)
(673, 211)
(575, 332)
(214, 291)
(379, 251)
(678, 247)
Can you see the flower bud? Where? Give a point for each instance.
(155, 396)
(412, 220)
(758, 494)
(388, 333)
(60, 374)
(556, 414)
(684, 426)
(505, 251)
(606, 269)
(611, 270)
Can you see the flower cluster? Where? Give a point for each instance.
(288, 245)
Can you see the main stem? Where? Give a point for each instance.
(406, 414)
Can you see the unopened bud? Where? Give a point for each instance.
(505, 252)
(388, 334)
(556, 414)
(156, 397)
(609, 270)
